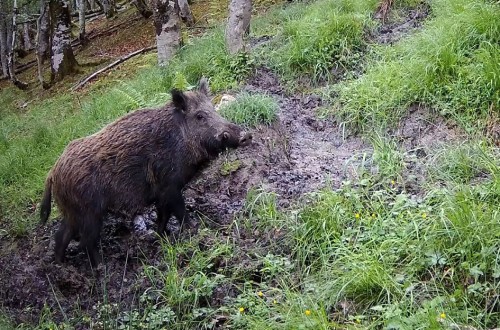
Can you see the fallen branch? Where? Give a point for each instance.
(20, 69)
(112, 65)
(76, 42)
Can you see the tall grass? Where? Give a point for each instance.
(371, 259)
(451, 64)
(327, 35)
(30, 142)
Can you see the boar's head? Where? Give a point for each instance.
(205, 126)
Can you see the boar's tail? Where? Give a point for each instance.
(46, 200)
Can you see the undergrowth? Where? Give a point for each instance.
(372, 254)
(326, 36)
(30, 142)
(451, 65)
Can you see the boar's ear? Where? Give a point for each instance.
(203, 86)
(179, 100)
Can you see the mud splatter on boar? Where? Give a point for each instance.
(145, 157)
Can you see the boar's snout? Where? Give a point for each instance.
(245, 139)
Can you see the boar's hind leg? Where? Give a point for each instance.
(172, 202)
(64, 235)
(91, 232)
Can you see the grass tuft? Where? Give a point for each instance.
(251, 110)
(450, 65)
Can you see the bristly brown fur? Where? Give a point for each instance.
(143, 158)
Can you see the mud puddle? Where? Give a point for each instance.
(298, 154)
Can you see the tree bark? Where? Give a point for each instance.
(43, 31)
(238, 25)
(4, 48)
(93, 5)
(11, 58)
(82, 6)
(42, 41)
(186, 14)
(143, 8)
(63, 60)
(109, 8)
(26, 36)
(167, 27)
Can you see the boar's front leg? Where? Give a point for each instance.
(171, 202)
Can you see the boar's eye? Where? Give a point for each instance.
(200, 116)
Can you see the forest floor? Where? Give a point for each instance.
(230, 255)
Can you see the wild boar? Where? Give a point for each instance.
(143, 158)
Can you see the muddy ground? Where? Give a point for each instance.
(299, 153)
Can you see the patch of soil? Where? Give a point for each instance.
(399, 23)
(299, 153)
(421, 128)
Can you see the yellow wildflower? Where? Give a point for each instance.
(308, 312)
(260, 294)
(393, 182)
(442, 315)
(275, 302)
(242, 309)
(357, 215)
(424, 215)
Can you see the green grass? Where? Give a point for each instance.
(251, 110)
(324, 36)
(369, 255)
(30, 142)
(451, 64)
(398, 263)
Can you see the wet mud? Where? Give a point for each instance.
(297, 154)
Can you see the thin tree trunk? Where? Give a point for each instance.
(42, 41)
(95, 4)
(167, 26)
(4, 49)
(238, 24)
(82, 7)
(63, 60)
(26, 36)
(143, 8)
(186, 14)
(43, 31)
(109, 8)
(11, 58)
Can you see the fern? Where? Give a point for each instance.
(131, 95)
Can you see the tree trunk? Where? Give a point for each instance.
(143, 8)
(186, 14)
(63, 60)
(97, 3)
(26, 36)
(42, 40)
(82, 7)
(11, 58)
(238, 24)
(93, 5)
(4, 48)
(109, 8)
(43, 31)
(167, 26)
